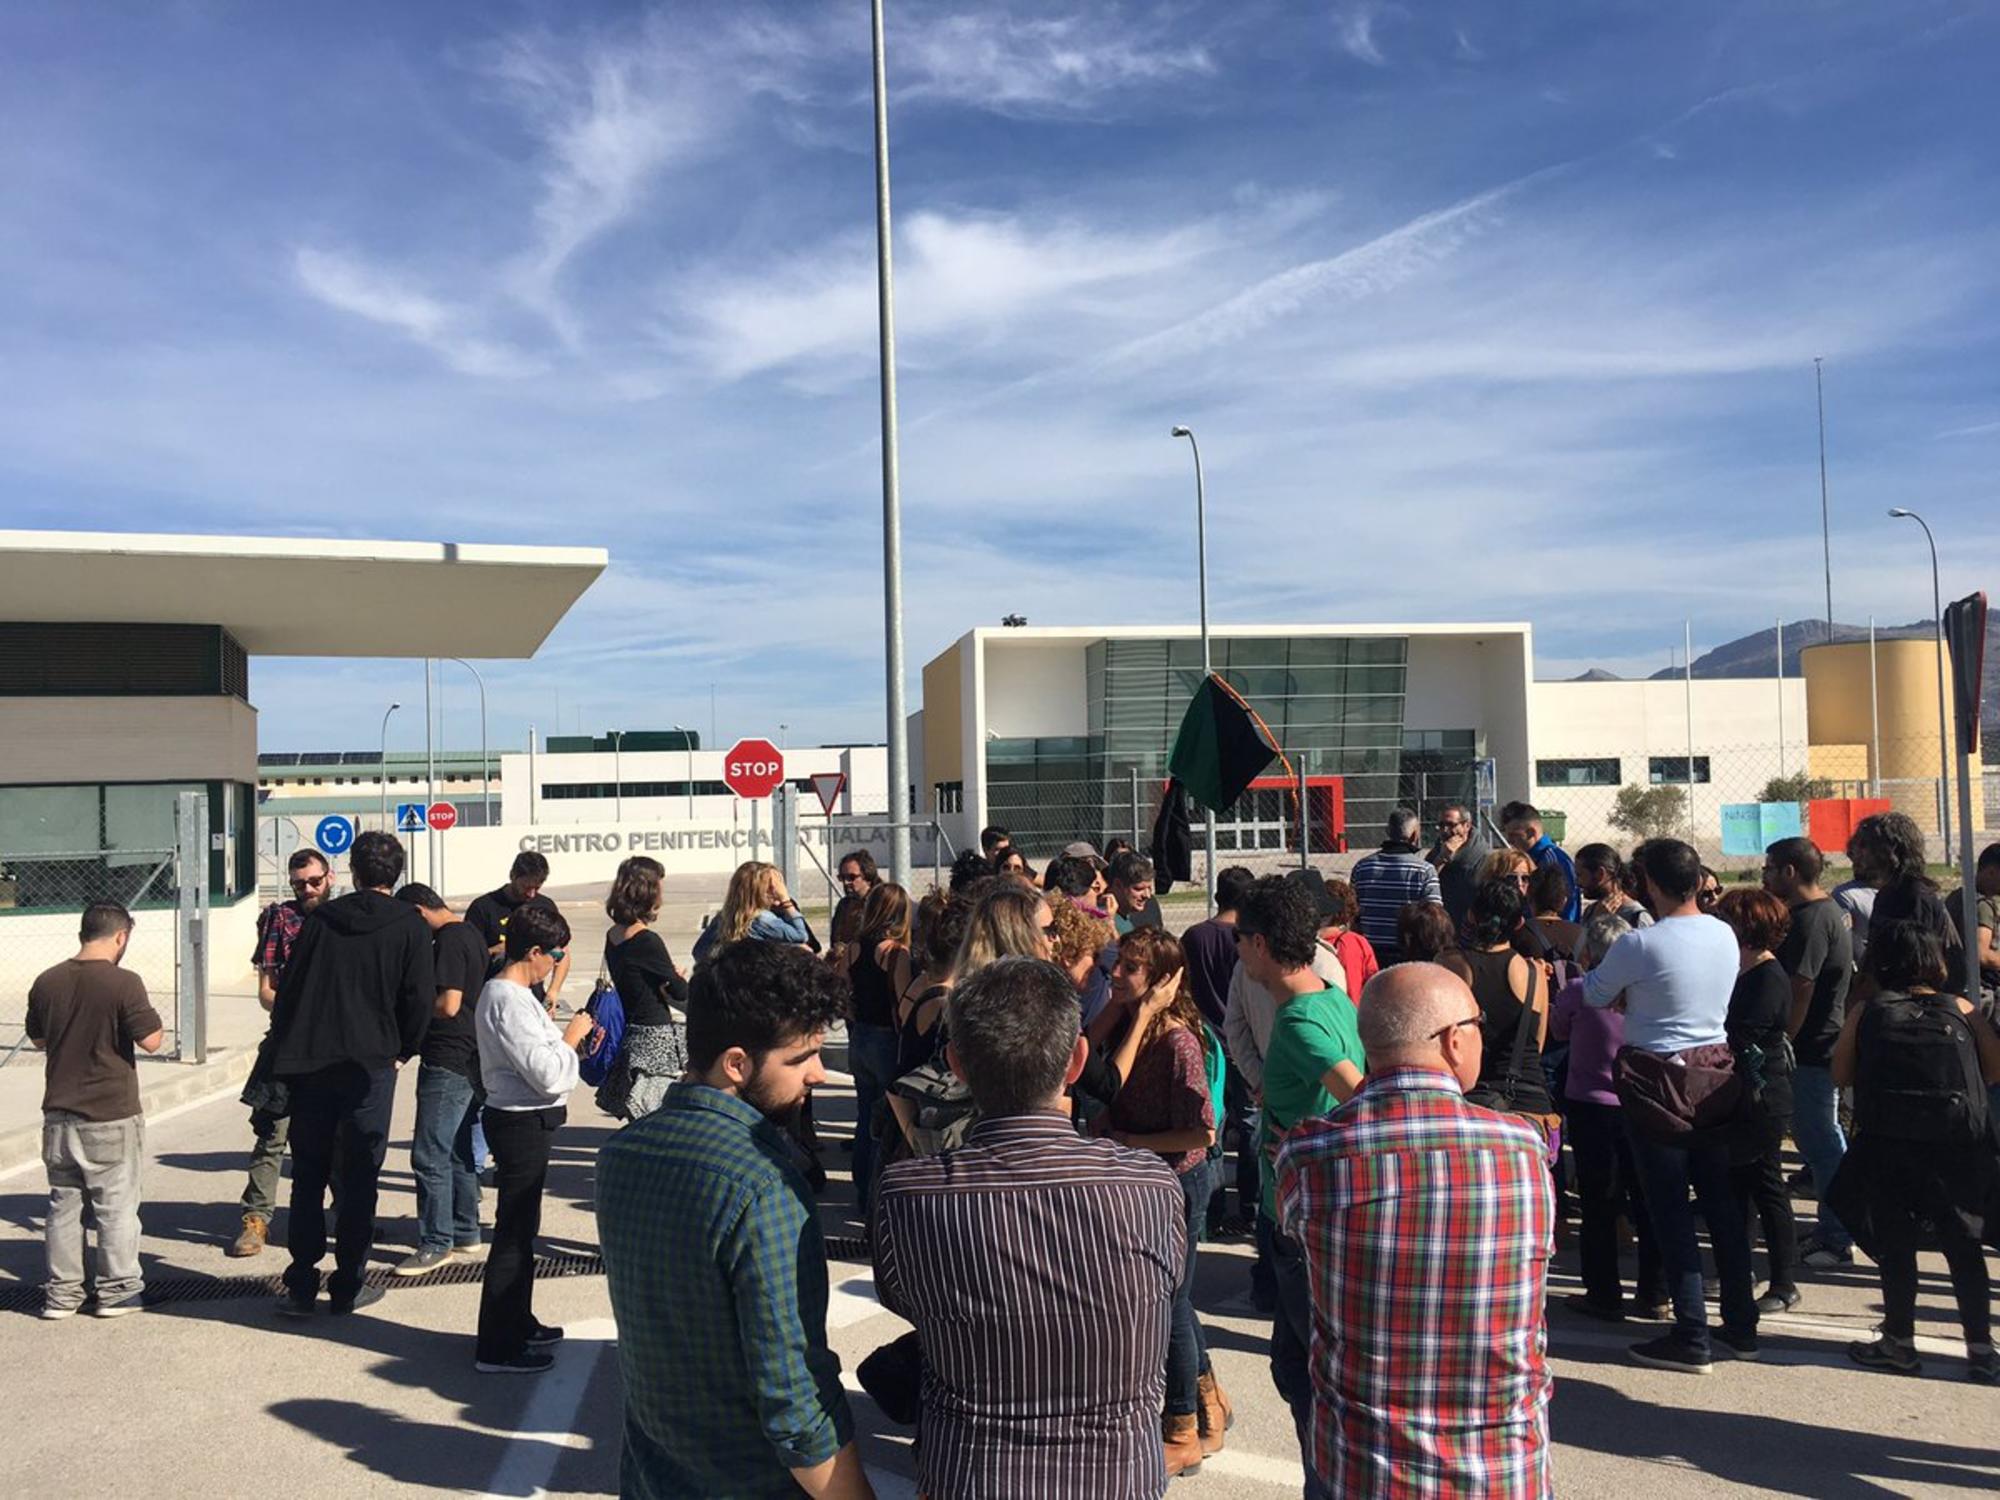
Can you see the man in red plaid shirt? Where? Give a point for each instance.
(1426, 1223)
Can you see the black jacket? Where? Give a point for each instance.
(359, 986)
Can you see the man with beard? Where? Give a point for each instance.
(712, 1248)
(278, 928)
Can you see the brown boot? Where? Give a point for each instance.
(251, 1241)
(1217, 1415)
(1183, 1440)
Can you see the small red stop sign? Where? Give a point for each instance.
(753, 768)
(443, 815)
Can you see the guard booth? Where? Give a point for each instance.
(128, 739)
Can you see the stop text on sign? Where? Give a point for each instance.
(753, 768)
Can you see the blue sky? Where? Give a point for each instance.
(1480, 311)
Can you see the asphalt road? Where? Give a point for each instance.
(219, 1398)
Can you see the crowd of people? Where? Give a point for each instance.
(1409, 1076)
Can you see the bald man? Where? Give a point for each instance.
(1417, 1210)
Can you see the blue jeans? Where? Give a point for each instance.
(1668, 1173)
(871, 1058)
(1291, 1348)
(1187, 1351)
(442, 1162)
(1816, 1127)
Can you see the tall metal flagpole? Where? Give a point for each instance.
(1825, 514)
(1201, 571)
(1781, 695)
(430, 775)
(1944, 730)
(892, 498)
(1687, 655)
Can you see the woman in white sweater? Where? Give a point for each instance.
(529, 1068)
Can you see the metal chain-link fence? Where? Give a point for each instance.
(42, 897)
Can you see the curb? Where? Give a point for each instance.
(174, 1083)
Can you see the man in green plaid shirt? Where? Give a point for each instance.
(713, 1250)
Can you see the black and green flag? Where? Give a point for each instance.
(1221, 748)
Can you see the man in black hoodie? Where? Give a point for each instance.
(352, 1006)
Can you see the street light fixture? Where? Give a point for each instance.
(485, 771)
(1937, 619)
(1201, 569)
(383, 768)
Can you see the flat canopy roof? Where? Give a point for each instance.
(291, 596)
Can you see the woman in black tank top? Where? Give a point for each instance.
(1505, 984)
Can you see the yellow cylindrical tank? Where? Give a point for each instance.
(1897, 721)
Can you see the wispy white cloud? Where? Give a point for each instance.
(1977, 429)
(353, 286)
(997, 61)
(955, 275)
(1354, 25)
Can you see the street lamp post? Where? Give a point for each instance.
(892, 485)
(618, 775)
(1201, 572)
(485, 772)
(384, 767)
(687, 745)
(1937, 619)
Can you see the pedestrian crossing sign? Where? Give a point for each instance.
(410, 817)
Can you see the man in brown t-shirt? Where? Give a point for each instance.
(88, 1014)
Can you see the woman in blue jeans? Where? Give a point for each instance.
(1165, 1106)
(879, 973)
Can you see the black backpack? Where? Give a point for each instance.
(1918, 1072)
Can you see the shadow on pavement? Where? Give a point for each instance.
(1760, 1451)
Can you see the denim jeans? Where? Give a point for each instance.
(1816, 1127)
(441, 1160)
(1668, 1173)
(1187, 1351)
(339, 1111)
(1291, 1349)
(871, 1058)
(94, 1163)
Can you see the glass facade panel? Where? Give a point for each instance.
(1334, 704)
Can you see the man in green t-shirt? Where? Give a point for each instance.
(1313, 1063)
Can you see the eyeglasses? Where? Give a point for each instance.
(1444, 1031)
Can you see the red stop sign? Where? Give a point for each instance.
(753, 768)
(443, 815)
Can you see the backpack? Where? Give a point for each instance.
(1918, 1073)
(604, 1048)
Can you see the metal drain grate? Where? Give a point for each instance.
(27, 1297)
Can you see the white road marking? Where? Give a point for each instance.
(550, 1415)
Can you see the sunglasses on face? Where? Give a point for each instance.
(849, 877)
(556, 955)
(308, 882)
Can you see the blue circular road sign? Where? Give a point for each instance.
(334, 834)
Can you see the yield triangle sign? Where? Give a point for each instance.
(827, 787)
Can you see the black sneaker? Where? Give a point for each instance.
(1778, 1300)
(367, 1296)
(1603, 1312)
(1886, 1354)
(527, 1362)
(544, 1337)
(1982, 1368)
(1670, 1353)
(1819, 1257)
(1731, 1344)
(295, 1307)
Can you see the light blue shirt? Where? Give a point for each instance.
(1676, 977)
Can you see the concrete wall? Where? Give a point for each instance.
(1036, 689)
(943, 710)
(866, 767)
(65, 740)
(473, 860)
(1481, 683)
(1735, 727)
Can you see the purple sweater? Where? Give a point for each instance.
(1594, 1036)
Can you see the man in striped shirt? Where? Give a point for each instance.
(1426, 1223)
(1389, 879)
(1038, 1267)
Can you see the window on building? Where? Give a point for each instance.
(950, 796)
(1596, 772)
(1672, 770)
